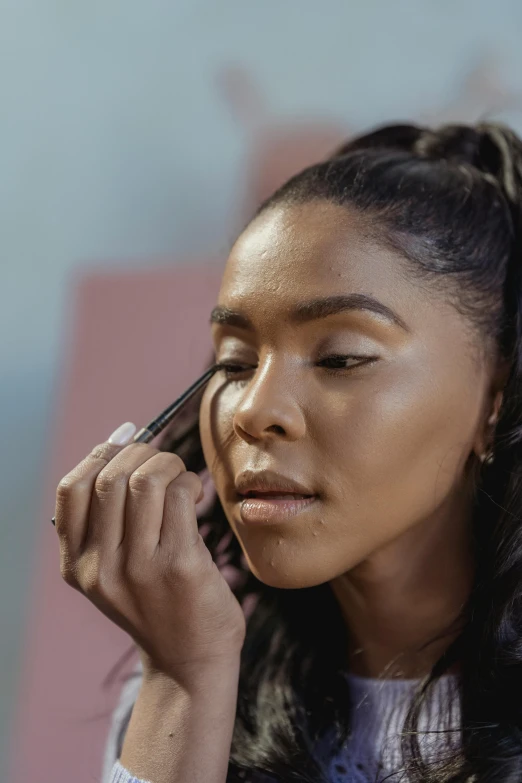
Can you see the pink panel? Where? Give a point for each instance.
(136, 340)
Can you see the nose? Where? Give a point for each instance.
(270, 406)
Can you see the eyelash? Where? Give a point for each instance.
(225, 367)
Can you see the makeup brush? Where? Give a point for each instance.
(157, 425)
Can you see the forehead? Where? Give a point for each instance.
(291, 253)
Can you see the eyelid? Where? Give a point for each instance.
(222, 334)
(222, 338)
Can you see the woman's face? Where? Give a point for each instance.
(384, 442)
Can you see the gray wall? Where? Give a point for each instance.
(116, 146)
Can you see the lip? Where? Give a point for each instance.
(259, 511)
(269, 481)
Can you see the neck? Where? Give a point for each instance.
(402, 604)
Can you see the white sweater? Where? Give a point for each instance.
(380, 706)
(373, 750)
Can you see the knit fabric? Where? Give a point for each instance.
(372, 752)
(121, 775)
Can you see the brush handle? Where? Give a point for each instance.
(143, 436)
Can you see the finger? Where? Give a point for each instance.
(146, 501)
(73, 496)
(179, 530)
(107, 515)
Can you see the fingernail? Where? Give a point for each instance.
(123, 434)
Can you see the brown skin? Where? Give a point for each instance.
(391, 448)
(129, 541)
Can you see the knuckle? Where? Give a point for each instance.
(107, 481)
(142, 482)
(192, 478)
(185, 485)
(139, 484)
(176, 459)
(66, 486)
(68, 571)
(96, 578)
(90, 583)
(69, 490)
(180, 567)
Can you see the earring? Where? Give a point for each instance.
(487, 457)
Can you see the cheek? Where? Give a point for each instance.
(207, 429)
(215, 426)
(398, 449)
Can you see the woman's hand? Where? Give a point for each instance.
(129, 541)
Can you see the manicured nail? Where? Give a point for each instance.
(123, 434)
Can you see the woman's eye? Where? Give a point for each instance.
(336, 359)
(341, 361)
(232, 369)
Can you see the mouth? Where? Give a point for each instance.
(272, 507)
(273, 495)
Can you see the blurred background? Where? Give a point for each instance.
(135, 140)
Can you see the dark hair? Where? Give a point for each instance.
(450, 201)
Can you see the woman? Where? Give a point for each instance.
(370, 320)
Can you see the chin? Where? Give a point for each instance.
(279, 574)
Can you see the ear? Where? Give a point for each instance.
(492, 408)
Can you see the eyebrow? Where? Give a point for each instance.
(313, 309)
